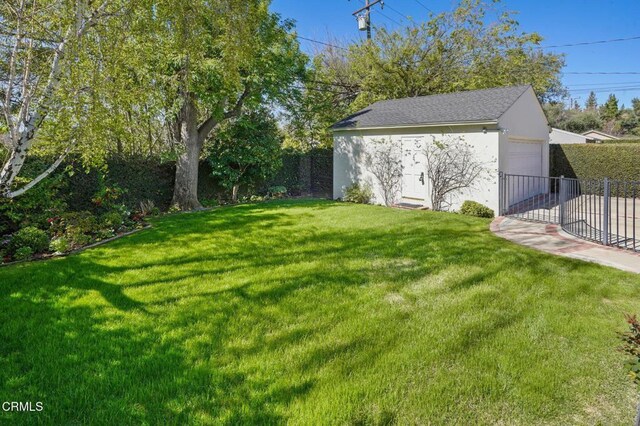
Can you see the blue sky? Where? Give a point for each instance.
(558, 21)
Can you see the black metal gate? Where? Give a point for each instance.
(603, 211)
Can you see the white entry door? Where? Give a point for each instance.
(413, 168)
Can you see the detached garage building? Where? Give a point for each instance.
(504, 127)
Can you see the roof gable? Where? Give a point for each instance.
(451, 108)
(598, 132)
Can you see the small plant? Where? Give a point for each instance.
(358, 194)
(148, 208)
(23, 253)
(103, 234)
(111, 220)
(278, 191)
(210, 202)
(472, 208)
(77, 227)
(174, 209)
(631, 347)
(60, 245)
(30, 237)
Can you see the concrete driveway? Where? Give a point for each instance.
(551, 239)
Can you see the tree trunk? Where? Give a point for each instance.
(185, 191)
(192, 137)
(234, 193)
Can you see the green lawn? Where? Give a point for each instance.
(314, 312)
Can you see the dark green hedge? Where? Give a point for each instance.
(623, 141)
(620, 161)
(72, 188)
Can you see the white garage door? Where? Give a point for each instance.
(524, 159)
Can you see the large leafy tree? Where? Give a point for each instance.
(246, 151)
(46, 76)
(460, 50)
(213, 59)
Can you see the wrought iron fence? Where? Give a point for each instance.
(604, 211)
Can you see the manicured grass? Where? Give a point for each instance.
(316, 312)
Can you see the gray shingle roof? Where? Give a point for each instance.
(459, 107)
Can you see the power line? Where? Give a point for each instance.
(425, 7)
(602, 73)
(327, 83)
(603, 83)
(608, 84)
(587, 89)
(588, 43)
(317, 89)
(321, 42)
(613, 90)
(390, 19)
(398, 12)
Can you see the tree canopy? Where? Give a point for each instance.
(246, 151)
(459, 50)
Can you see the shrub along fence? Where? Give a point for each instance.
(140, 179)
(617, 161)
(72, 188)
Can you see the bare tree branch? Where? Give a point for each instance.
(210, 123)
(385, 164)
(451, 165)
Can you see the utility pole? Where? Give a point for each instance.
(364, 20)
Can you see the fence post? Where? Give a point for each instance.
(607, 206)
(500, 194)
(562, 200)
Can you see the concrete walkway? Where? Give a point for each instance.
(551, 239)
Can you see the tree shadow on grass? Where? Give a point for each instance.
(87, 366)
(177, 342)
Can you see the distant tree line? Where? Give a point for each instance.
(610, 117)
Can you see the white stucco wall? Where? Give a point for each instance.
(558, 136)
(351, 149)
(524, 122)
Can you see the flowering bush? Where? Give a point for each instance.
(631, 346)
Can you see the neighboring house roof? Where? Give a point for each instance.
(486, 105)
(559, 136)
(599, 133)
